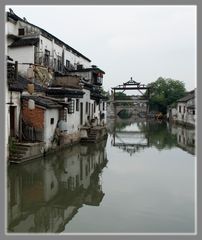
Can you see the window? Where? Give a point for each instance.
(89, 109)
(184, 109)
(77, 105)
(21, 31)
(52, 121)
(55, 64)
(103, 106)
(94, 107)
(46, 57)
(193, 112)
(86, 107)
(67, 63)
(71, 106)
(59, 63)
(63, 114)
(180, 109)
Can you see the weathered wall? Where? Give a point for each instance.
(23, 54)
(67, 81)
(185, 116)
(49, 127)
(85, 75)
(16, 103)
(44, 43)
(33, 117)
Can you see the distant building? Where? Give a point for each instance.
(186, 110)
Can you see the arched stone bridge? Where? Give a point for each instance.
(134, 104)
(134, 107)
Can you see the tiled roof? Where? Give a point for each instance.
(21, 84)
(43, 101)
(25, 42)
(186, 98)
(93, 69)
(64, 92)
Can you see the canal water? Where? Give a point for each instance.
(141, 179)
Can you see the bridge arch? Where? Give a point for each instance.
(137, 104)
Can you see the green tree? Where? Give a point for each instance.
(164, 92)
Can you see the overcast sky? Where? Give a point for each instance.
(143, 42)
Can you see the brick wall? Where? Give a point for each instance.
(35, 117)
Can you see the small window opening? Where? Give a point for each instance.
(52, 121)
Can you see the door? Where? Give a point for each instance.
(12, 121)
(81, 113)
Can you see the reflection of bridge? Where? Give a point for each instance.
(133, 104)
(130, 141)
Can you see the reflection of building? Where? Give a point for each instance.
(133, 137)
(44, 195)
(185, 138)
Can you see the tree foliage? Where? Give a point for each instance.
(164, 92)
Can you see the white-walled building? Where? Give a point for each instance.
(186, 111)
(30, 44)
(66, 78)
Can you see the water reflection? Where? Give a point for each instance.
(151, 191)
(44, 195)
(135, 136)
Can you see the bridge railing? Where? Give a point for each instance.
(129, 98)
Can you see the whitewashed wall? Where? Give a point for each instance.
(186, 116)
(44, 43)
(22, 55)
(16, 103)
(182, 113)
(73, 120)
(11, 28)
(7, 119)
(49, 129)
(76, 59)
(86, 75)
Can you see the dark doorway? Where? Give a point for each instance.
(81, 113)
(12, 121)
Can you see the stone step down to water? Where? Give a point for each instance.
(95, 134)
(22, 152)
